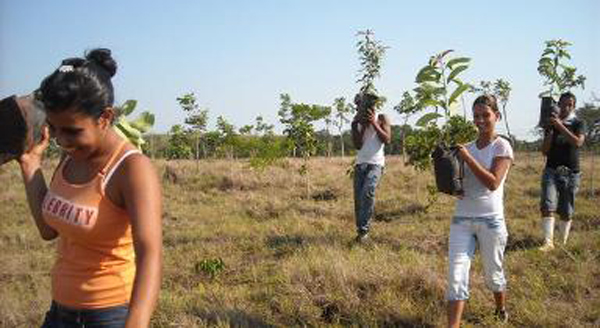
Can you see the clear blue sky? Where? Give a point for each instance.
(238, 56)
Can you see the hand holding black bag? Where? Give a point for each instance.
(448, 169)
(548, 108)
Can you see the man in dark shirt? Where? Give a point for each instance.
(560, 181)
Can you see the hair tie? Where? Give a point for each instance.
(66, 68)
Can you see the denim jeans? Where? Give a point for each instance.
(558, 191)
(465, 233)
(366, 178)
(64, 317)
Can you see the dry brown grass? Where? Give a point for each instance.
(289, 260)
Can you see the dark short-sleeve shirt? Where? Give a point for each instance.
(561, 151)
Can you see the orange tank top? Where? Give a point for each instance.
(95, 265)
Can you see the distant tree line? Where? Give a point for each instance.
(258, 140)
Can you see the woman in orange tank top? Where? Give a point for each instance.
(103, 203)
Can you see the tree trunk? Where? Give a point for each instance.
(593, 192)
(404, 140)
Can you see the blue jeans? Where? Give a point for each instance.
(465, 233)
(558, 191)
(60, 316)
(366, 178)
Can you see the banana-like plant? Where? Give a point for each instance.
(438, 88)
(436, 81)
(133, 130)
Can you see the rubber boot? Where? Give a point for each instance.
(564, 227)
(548, 228)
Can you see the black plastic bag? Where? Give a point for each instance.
(547, 108)
(448, 169)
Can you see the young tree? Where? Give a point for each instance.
(265, 147)
(328, 122)
(439, 89)
(298, 120)
(406, 108)
(341, 114)
(590, 114)
(558, 75)
(228, 137)
(178, 147)
(196, 120)
(371, 54)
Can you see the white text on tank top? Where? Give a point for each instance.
(371, 151)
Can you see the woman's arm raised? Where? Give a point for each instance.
(35, 184)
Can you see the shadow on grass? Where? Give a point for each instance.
(534, 192)
(333, 313)
(231, 317)
(586, 222)
(591, 194)
(404, 322)
(286, 244)
(395, 214)
(325, 195)
(522, 243)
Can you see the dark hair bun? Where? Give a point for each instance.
(103, 58)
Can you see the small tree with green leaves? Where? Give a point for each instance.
(265, 147)
(196, 120)
(370, 53)
(328, 122)
(179, 144)
(406, 108)
(228, 137)
(436, 96)
(298, 120)
(559, 76)
(589, 113)
(342, 111)
(438, 91)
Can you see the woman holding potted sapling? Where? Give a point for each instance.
(479, 214)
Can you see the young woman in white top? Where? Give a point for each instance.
(479, 215)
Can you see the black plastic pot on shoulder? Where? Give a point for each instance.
(547, 108)
(21, 120)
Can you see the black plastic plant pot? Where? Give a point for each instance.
(364, 102)
(547, 108)
(448, 170)
(21, 121)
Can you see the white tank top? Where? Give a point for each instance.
(372, 148)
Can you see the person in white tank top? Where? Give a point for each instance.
(370, 133)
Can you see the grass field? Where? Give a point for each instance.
(271, 248)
